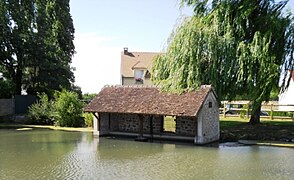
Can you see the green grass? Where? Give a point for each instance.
(238, 129)
(169, 124)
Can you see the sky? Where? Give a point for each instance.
(103, 28)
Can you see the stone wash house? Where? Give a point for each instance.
(136, 67)
(140, 111)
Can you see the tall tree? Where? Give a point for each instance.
(238, 46)
(37, 44)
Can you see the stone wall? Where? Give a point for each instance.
(130, 123)
(7, 107)
(209, 115)
(186, 126)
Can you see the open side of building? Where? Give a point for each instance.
(140, 111)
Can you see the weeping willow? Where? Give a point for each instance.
(240, 47)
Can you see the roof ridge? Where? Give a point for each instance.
(130, 86)
(145, 52)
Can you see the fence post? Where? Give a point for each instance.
(224, 110)
(271, 112)
(248, 110)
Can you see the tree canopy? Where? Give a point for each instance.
(36, 45)
(241, 47)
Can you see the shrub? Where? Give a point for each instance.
(88, 117)
(41, 112)
(68, 109)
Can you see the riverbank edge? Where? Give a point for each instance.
(22, 127)
(266, 143)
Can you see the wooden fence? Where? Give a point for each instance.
(269, 110)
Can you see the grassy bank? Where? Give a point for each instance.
(237, 129)
(21, 127)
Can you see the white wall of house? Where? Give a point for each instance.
(287, 98)
(131, 81)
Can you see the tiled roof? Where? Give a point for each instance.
(135, 60)
(148, 100)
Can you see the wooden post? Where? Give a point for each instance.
(224, 111)
(151, 127)
(248, 109)
(140, 137)
(271, 117)
(140, 126)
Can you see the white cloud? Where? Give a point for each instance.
(96, 63)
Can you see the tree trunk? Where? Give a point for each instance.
(18, 81)
(255, 115)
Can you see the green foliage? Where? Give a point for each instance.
(6, 89)
(88, 117)
(239, 46)
(69, 109)
(36, 40)
(88, 97)
(42, 112)
(244, 110)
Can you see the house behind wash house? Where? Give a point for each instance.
(136, 67)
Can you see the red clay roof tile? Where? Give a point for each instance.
(148, 100)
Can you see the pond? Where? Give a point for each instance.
(47, 154)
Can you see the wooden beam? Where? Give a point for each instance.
(151, 127)
(140, 137)
(141, 118)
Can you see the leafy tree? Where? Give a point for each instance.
(239, 46)
(36, 44)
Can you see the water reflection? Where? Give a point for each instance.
(74, 155)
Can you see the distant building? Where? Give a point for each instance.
(287, 97)
(136, 67)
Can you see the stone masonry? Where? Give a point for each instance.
(130, 123)
(186, 126)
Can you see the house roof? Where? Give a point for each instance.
(148, 100)
(135, 60)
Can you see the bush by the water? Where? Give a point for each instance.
(42, 112)
(65, 110)
(69, 109)
(88, 117)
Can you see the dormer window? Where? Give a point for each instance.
(139, 75)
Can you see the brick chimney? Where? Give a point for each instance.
(126, 50)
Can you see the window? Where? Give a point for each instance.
(210, 104)
(139, 74)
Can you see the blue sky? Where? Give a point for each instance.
(103, 28)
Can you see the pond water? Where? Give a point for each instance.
(47, 154)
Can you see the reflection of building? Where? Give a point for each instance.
(136, 67)
(139, 110)
(287, 98)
